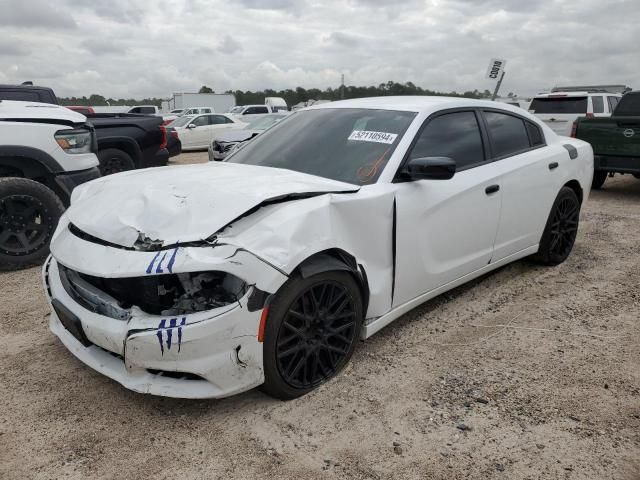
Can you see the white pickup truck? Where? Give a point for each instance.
(45, 151)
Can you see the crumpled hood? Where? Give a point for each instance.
(187, 203)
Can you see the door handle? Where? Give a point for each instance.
(553, 165)
(491, 189)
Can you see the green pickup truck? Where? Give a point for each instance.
(615, 140)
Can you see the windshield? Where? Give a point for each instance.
(263, 122)
(236, 110)
(559, 105)
(181, 121)
(349, 145)
(180, 110)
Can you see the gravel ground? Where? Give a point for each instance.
(446, 392)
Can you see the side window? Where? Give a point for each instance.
(261, 110)
(598, 104)
(454, 135)
(147, 110)
(228, 120)
(135, 110)
(613, 103)
(535, 134)
(250, 111)
(200, 121)
(217, 119)
(508, 134)
(206, 110)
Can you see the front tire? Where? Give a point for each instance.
(29, 214)
(561, 229)
(113, 160)
(311, 332)
(599, 177)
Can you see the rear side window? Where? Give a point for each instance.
(201, 121)
(613, 103)
(508, 134)
(559, 105)
(146, 110)
(535, 134)
(454, 135)
(598, 104)
(629, 105)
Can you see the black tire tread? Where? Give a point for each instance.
(107, 153)
(21, 186)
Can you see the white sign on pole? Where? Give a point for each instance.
(496, 67)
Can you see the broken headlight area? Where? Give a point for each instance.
(172, 294)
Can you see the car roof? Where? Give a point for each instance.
(414, 103)
(569, 94)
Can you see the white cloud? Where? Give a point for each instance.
(153, 48)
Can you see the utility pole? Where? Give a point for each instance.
(495, 92)
(342, 88)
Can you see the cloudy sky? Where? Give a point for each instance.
(121, 48)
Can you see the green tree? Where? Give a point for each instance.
(205, 89)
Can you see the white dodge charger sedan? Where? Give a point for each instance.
(208, 280)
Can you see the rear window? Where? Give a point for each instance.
(20, 95)
(561, 105)
(629, 105)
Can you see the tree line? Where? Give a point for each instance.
(292, 96)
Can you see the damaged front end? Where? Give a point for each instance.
(164, 295)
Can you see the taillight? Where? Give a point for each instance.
(574, 129)
(174, 134)
(163, 144)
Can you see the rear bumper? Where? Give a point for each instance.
(66, 182)
(617, 164)
(158, 159)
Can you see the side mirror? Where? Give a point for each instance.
(430, 168)
(191, 125)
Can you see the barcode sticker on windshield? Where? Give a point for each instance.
(376, 137)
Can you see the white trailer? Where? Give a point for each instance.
(220, 102)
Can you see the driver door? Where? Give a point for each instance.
(446, 228)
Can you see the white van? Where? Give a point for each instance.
(560, 109)
(277, 104)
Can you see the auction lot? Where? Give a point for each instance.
(530, 372)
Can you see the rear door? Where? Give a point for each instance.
(197, 136)
(530, 175)
(559, 111)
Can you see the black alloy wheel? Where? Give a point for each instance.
(29, 213)
(311, 331)
(561, 229)
(316, 335)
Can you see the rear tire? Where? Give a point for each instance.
(561, 229)
(113, 160)
(599, 177)
(311, 332)
(29, 214)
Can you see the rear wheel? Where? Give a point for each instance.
(29, 214)
(562, 227)
(113, 160)
(599, 177)
(311, 332)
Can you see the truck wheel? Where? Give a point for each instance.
(113, 160)
(311, 331)
(29, 214)
(561, 229)
(599, 177)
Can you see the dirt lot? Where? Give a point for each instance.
(446, 392)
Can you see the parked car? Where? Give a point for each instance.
(250, 110)
(196, 132)
(82, 109)
(125, 141)
(28, 93)
(227, 141)
(186, 112)
(145, 109)
(560, 109)
(45, 151)
(269, 267)
(615, 140)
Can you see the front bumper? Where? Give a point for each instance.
(210, 354)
